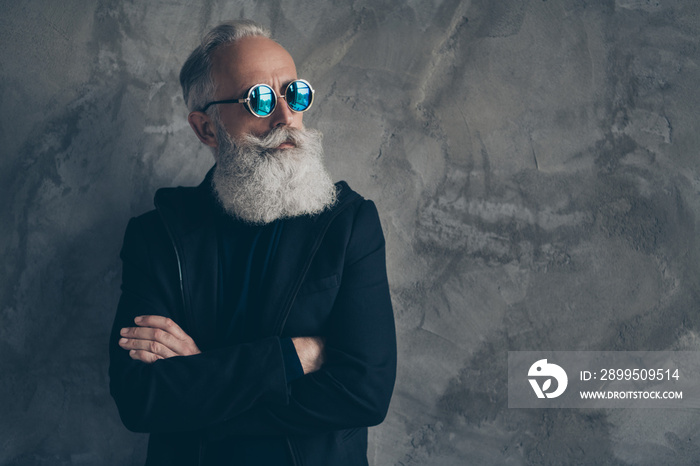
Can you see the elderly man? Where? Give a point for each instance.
(255, 324)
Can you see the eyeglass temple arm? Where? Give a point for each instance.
(229, 101)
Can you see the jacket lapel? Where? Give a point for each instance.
(189, 215)
(284, 273)
(201, 278)
(298, 243)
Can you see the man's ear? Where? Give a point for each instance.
(203, 127)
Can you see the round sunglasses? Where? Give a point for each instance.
(261, 99)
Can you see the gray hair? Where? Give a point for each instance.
(195, 76)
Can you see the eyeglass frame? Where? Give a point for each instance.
(277, 97)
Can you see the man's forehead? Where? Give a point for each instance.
(252, 60)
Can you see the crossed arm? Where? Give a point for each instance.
(157, 337)
(242, 387)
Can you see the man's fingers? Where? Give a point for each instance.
(163, 330)
(171, 339)
(144, 356)
(150, 346)
(163, 323)
(153, 334)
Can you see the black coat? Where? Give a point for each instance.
(328, 278)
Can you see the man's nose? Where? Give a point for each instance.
(282, 115)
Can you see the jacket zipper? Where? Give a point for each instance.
(200, 448)
(291, 451)
(177, 258)
(282, 320)
(285, 313)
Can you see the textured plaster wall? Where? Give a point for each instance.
(535, 164)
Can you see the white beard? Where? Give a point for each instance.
(259, 184)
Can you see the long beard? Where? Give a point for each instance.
(259, 184)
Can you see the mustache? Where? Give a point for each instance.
(273, 138)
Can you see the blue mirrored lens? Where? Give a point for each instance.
(298, 96)
(262, 100)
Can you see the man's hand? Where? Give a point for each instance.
(156, 337)
(310, 352)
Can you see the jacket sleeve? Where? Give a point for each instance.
(181, 393)
(354, 386)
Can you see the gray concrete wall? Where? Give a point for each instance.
(535, 163)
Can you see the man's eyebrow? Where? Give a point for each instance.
(244, 92)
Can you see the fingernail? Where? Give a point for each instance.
(132, 352)
(138, 319)
(123, 331)
(123, 341)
